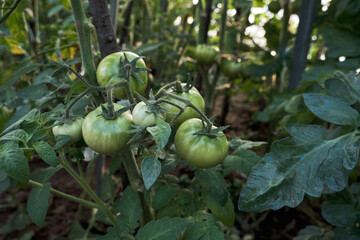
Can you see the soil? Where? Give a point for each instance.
(62, 213)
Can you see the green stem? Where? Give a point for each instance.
(127, 85)
(109, 99)
(67, 111)
(67, 196)
(224, 7)
(102, 206)
(134, 174)
(131, 167)
(10, 11)
(83, 30)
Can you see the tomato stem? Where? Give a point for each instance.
(67, 196)
(110, 105)
(127, 84)
(82, 182)
(67, 111)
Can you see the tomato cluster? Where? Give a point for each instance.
(107, 135)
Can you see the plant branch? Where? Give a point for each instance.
(10, 11)
(67, 196)
(83, 31)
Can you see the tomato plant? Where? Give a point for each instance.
(192, 95)
(111, 71)
(73, 129)
(107, 136)
(143, 116)
(200, 150)
(5, 115)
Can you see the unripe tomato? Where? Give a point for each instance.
(230, 68)
(107, 136)
(73, 129)
(143, 117)
(200, 150)
(108, 72)
(193, 96)
(205, 54)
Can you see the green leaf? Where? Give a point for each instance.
(163, 196)
(318, 74)
(13, 162)
(150, 170)
(18, 222)
(340, 42)
(339, 215)
(161, 133)
(338, 89)
(28, 68)
(32, 116)
(61, 140)
(148, 47)
(33, 92)
(307, 133)
(226, 213)
(16, 135)
(291, 169)
(331, 109)
(163, 229)
(17, 23)
(245, 144)
(44, 174)
(76, 87)
(203, 228)
(37, 204)
(46, 152)
(129, 207)
(212, 180)
(309, 233)
(241, 160)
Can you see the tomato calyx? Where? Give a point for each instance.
(128, 69)
(109, 114)
(210, 131)
(153, 105)
(179, 88)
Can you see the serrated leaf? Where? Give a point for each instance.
(150, 170)
(16, 135)
(130, 210)
(161, 133)
(290, 170)
(226, 213)
(331, 109)
(46, 152)
(37, 204)
(241, 160)
(13, 162)
(339, 215)
(212, 180)
(163, 229)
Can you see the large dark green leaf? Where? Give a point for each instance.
(150, 170)
(331, 109)
(37, 204)
(339, 215)
(292, 169)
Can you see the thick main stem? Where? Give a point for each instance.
(67, 196)
(83, 30)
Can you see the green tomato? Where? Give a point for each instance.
(195, 98)
(230, 68)
(143, 117)
(109, 69)
(200, 150)
(5, 115)
(73, 129)
(205, 54)
(107, 136)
